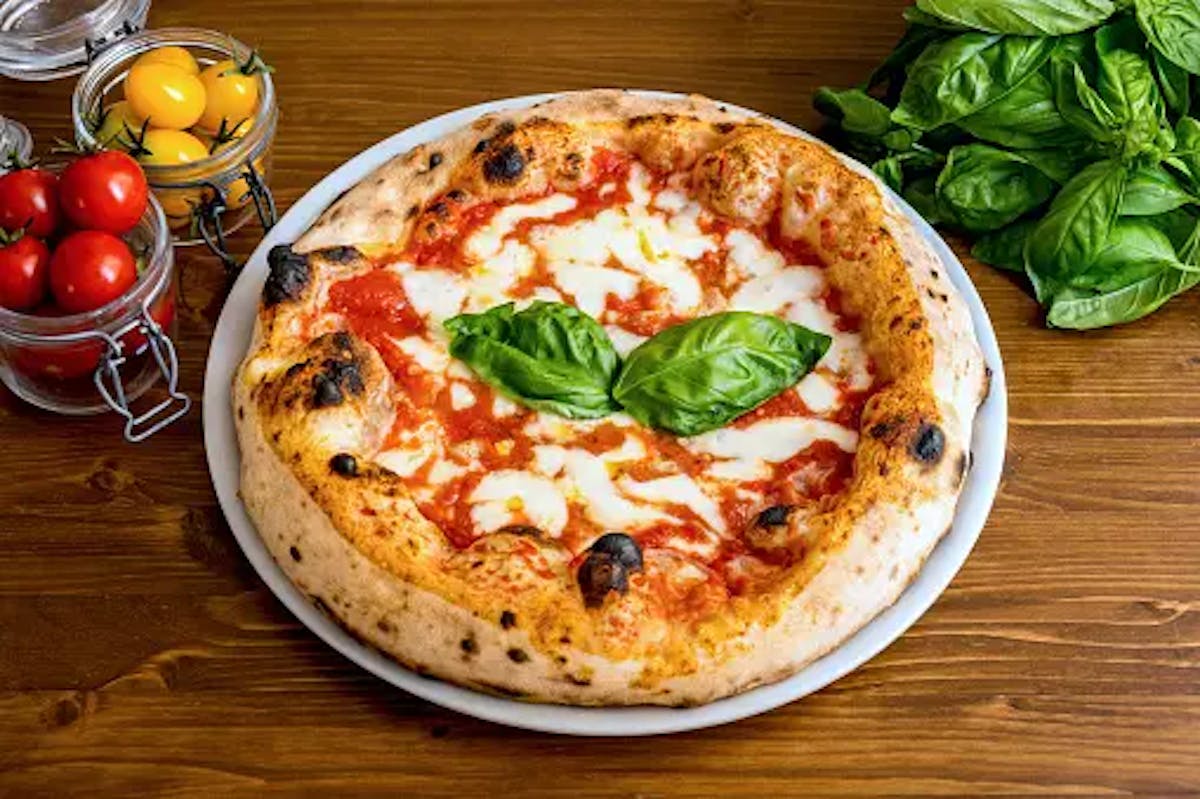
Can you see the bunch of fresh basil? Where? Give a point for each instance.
(688, 379)
(1057, 132)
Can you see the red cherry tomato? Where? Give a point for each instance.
(24, 266)
(29, 201)
(104, 191)
(90, 268)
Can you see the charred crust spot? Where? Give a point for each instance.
(241, 412)
(383, 626)
(435, 160)
(944, 297)
(289, 275)
(521, 529)
(565, 640)
(504, 165)
(928, 444)
(560, 660)
(320, 605)
(339, 255)
(884, 429)
(296, 368)
(915, 324)
(517, 655)
(439, 208)
(413, 211)
(884, 470)
(337, 376)
(508, 619)
(344, 464)
(581, 681)
(723, 127)
(468, 645)
(963, 465)
(456, 195)
(341, 340)
(933, 273)
(620, 547)
(295, 553)
(599, 574)
(775, 516)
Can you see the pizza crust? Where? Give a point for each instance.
(385, 593)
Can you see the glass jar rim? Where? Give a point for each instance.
(95, 82)
(150, 285)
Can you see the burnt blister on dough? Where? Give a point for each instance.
(289, 275)
(928, 444)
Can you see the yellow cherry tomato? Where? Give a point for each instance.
(232, 94)
(114, 125)
(179, 204)
(164, 94)
(171, 55)
(160, 147)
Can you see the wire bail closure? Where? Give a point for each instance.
(208, 215)
(112, 390)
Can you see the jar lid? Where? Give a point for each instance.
(49, 39)
(14, 140)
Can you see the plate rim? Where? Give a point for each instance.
(228, 345)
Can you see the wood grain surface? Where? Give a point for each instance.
(140, 655)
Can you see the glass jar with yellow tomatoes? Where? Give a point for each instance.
(197, 109)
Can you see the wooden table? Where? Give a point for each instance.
(140, 655)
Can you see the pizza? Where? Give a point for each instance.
(611, 400)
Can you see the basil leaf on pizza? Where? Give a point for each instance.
(550, 356)
(702, 374)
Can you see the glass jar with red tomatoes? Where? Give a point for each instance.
(198, 110)
(104, 358)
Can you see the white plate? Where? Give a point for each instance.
(229, 344)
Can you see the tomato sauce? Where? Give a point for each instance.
(446, 247)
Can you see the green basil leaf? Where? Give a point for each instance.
(1026, 117)
(702, 374)
(916, 38)
(962, 75)
(1077, 225)
(1080, 104)
(915, 16)
(1177, 225)
(1173, 27)
(857, 111)
(1127, 85)
(1186, 155)
(1151, 191)
(550, 356)
(986, 188)
(921, 193)
(1141, 296)
(1022, 17)
(895, 168)
(1060, 165)
(1131, 250)
(1005, 248)
(1120, 33)
(1174, 81)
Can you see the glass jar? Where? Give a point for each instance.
(49, 39)
(206, 199)
(14, 141)
(105, 359)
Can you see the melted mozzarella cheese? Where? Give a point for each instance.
(591, 285)
(489, 282)
(774, 291)
(587, 480)
(750, 256)
(461, 396)
(429, 354)
(677, 489)
(770, 441)
(486, 241)
(818, 393)
(434, 293)
(504, 496)
(502, 406)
